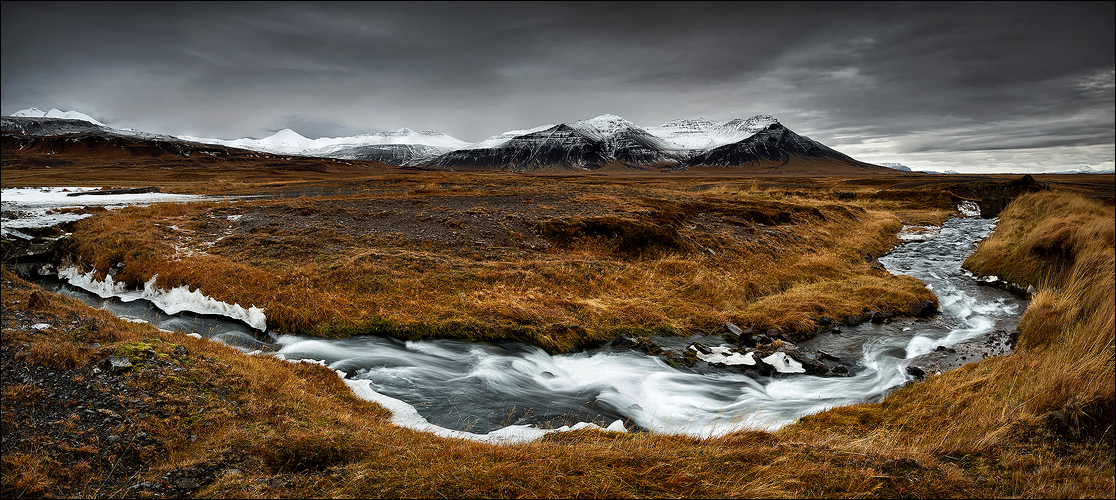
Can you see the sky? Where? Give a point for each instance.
(965, 86)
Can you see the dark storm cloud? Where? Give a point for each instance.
(874, 78)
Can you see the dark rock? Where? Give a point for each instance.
(690, 357)
(809, 363)
(761, 339)
(826, 355)
(774, 333)
(697, 346)
(836, 331)
(187, 483)
(853, 320)
(922, 308)
(916, 371)
(648, 347)
(748, 338)
(181, 350)
(734, 329)
(840, 370)
(825, 321)
(116, 364)
(113, 439)
(882, 316)
(623, 341)
(676, 357)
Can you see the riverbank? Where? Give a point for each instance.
(275, 429)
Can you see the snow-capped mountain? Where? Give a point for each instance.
(592, 142)
(55, 113)
(41, 126)
(609, 140)
(603, 141)
(626, 142)
(558, 146)
(288, 141)
(774, 144)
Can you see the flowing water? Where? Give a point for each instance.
(483, 389)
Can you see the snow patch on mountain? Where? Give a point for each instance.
(56, 113)
(896, 166)
(288, 141)
(501, 139)
(703, 134)
(603, 127)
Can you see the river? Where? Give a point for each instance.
(515, 392)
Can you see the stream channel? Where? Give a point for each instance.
(509, 392)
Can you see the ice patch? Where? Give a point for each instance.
(171, 301)
(969, 208)
(783, 363)
(12, 233)
(725, 356)
(30, 207)
(41, 326)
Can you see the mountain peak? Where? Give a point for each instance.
(56, 113)
(605, 120)
(286, 134)
(603, 126)
(30, 112)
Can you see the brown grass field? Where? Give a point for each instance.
(559, 261)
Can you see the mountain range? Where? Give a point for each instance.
(759, 143)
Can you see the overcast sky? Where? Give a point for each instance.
(993, 87)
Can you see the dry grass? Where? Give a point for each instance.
(982, 431)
